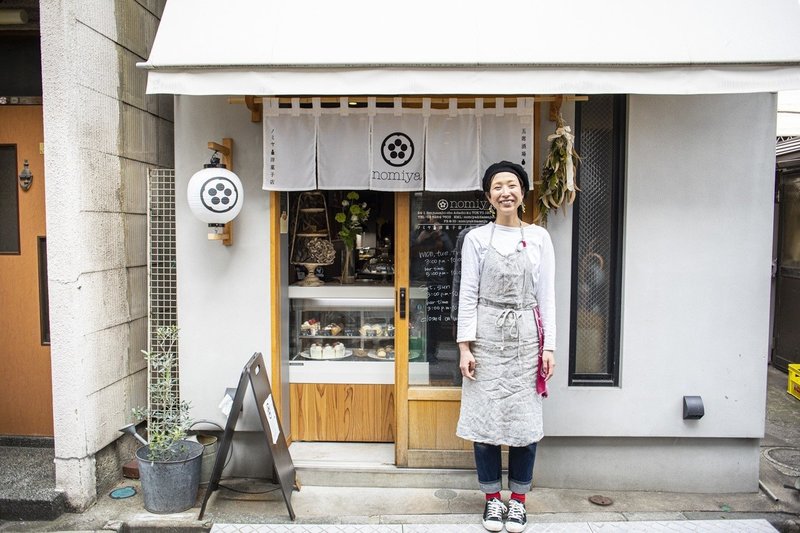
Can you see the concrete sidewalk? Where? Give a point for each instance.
(258, 508)
(346, 509)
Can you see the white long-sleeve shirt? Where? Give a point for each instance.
(539, 248)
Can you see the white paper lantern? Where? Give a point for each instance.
(215, 195)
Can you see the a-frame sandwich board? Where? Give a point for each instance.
(255, 372)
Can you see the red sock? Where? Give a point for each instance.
(491, 495)
(519, 497)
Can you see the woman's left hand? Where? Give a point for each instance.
(548, 363)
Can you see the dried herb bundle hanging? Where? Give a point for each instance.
(558, 188)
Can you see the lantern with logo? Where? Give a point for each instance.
(215, 196)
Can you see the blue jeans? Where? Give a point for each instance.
(520, 467)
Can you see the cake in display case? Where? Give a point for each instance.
(336, 338)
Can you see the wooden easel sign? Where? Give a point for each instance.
(255, 372)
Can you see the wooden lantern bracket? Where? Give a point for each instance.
(226, 151)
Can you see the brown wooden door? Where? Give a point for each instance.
(26, 400)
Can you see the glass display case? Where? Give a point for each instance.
(341, 334)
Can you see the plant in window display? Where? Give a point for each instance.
(352, 217)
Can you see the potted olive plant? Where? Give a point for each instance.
(169, 465)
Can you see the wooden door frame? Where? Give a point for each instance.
(275, 308)
(401, 281)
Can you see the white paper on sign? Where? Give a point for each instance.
(508, 137)
(451, 152)
(225, 405)
(272, 419)
(343, 144)
(396, 153)
(290, 150)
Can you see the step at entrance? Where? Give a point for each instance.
(341, 464)
(27, 482)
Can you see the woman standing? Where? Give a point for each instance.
(507, 270)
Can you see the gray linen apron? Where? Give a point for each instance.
(501, 406)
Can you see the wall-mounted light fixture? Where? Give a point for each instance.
(693, 408)
(25, 177)
(215, 195)
(13, 17)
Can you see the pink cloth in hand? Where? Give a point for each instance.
(541, 374)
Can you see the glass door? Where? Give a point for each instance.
(438, 223)
(429, 397)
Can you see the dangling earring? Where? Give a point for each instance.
(492, 211)
(522, 205)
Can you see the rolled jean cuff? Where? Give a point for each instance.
(491, 487)
(519, 487)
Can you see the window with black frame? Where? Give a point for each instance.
(597, 242)
(9, 200)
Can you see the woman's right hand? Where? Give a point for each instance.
(467, 363)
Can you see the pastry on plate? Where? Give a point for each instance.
(338, 350)
(315, 351)
(310, 327)
(333, 329)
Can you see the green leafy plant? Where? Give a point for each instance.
(167, 416)
(352, 218)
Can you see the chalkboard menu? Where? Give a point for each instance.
(439, 222)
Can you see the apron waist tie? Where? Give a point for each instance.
(508, 319)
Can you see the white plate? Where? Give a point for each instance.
(374, 355)
(307, 355)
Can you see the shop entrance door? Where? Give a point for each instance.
(430, 398)
(786, 349)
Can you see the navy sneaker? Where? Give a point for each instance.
(517, 518)
(493, 515)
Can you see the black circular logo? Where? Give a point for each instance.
(397, 149)
(219, 194)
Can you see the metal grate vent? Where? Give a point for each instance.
(161, 278)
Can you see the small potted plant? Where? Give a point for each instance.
(169, 465)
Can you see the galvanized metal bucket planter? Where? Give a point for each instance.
(171, 486)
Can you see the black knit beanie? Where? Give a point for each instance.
(506, 166)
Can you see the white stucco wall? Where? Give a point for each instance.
(223, 291)
(696, 278)
(101, 134)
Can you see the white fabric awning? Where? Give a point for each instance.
(269, 47)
